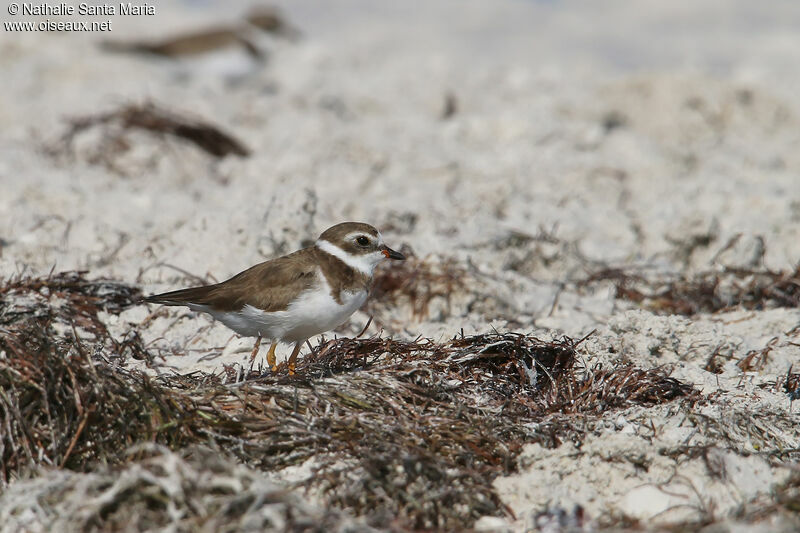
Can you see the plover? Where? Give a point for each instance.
(297, 296)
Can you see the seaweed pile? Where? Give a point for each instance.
(705, 292)
(410, 433)
(65, 400)
(198, 489)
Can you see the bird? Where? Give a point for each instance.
(292, 298)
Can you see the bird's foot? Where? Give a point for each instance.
(271, 357)
(293, 358)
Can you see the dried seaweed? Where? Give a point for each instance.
(791, 384)
(415, 282)
(68, 298)
(188, 44)
(203, 41)
(271, 20)
(152, 118)
(408, 431)
(755, 360)
(706, 292)
(603, 390)
(62, 401)
(780, 511)
(197, 490)
(767, 431)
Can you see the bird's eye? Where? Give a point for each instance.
(362, 241)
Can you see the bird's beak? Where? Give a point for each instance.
(391, 254)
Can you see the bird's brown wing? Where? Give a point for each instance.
(270, 286)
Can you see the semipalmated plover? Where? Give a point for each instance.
(297, 296)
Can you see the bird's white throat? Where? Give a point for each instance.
(365, 263)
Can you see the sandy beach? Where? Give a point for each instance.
(626, 172)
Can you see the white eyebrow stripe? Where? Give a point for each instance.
(353, 234)
(361, 263)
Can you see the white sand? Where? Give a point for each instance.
(344, 125)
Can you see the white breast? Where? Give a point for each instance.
(313, 312)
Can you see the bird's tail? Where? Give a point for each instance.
(194, 295)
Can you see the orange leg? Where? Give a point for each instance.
(271, 357)
(255, 350)
(293, 357)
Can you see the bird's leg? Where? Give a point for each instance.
(293, 357)
(271, 357)
(255, 351)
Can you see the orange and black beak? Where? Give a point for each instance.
(391, 254)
